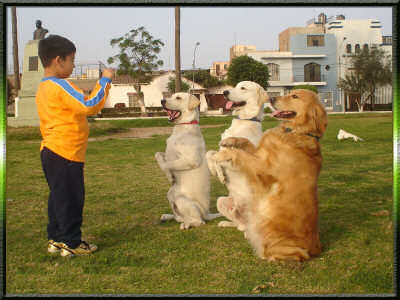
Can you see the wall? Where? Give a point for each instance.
(284, 36)
(118, 94)
(299, 47)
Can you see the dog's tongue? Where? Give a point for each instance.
(229, 104)
(276, 112)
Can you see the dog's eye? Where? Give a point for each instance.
(295, 96)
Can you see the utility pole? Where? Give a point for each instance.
(178, 86)
(15, 49)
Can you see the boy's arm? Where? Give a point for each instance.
(74, 98)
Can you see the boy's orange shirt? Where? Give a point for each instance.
(62, 109)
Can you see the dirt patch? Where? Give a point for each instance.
(140, 133)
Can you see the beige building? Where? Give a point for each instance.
(284, 36)
(239, 50)
(219, 69)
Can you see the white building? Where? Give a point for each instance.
(351, 37)
(122, 90)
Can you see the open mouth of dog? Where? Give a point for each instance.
(283, 114)
(231, 104)
(172, 114)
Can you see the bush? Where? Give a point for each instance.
(171, 85)
(306, 87)
(245, 68)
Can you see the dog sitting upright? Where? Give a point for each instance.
(184, 164)
(247, 99)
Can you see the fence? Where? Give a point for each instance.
(88, 70)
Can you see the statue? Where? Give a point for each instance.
(40, 32)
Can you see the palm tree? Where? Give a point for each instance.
(178, 86)
(15, 49)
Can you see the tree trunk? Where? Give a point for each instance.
(15, 50)
(373, 100)
(178, 86)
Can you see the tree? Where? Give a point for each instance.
(17, 84)
(203, 78)
(172, 88)
(354, 86)
(245, 68)
(178, 87)
(10, 94)
(306, 87)
(137, 57)
(374, 68)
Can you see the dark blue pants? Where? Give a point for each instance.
(67, 196)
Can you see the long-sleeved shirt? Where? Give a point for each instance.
(62, 109)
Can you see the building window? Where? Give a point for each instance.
(365, 46)
(348, 48)
(315, 41)
(357, 48)
(328, 100)
(312, 72)
(225, 67)
(274, 94)
(273, 72)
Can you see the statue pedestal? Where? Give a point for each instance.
(32, 74)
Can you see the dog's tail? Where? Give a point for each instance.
(210, 217)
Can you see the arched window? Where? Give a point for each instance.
(365, 46)
(273, 72)
(357, 48)
(348, 48)
(312, 72)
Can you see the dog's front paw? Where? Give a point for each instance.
(230, 142)
(184, 226)
(222, 156)
(220, 174)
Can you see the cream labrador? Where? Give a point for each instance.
(184, 164)
(247, 99)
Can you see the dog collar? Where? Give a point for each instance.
(309, 134)
(255, 119)
(193, 122)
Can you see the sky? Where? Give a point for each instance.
(216, 28)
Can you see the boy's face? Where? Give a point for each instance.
(65, 67)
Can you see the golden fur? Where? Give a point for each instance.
(283, 172)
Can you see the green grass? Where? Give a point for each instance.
(126, 195)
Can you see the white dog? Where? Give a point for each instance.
(184, 164)
(247, 99)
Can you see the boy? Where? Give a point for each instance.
(62, 109)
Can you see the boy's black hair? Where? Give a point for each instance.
(53, 46)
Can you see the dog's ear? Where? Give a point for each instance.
(193, 102)
(318, 113)
(263, 96)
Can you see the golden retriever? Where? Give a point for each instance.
(283, 172)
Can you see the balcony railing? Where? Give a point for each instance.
(302, 78)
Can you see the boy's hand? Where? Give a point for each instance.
(109, 73)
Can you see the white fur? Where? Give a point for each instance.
(344, 135)
(185, 166)
(239, 190)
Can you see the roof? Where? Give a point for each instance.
(123, 79)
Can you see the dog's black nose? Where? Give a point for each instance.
(272, 100)
(163, 101)
(226, 93)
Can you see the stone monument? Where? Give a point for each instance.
(32, 74)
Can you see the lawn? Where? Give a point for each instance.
(126, 195)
